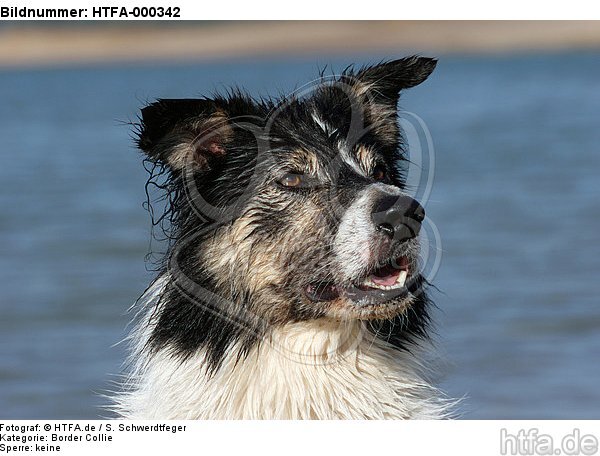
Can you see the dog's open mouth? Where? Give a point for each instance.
(385, 282)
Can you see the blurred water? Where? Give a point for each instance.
(515, 199)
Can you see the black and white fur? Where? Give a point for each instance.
(291, 286)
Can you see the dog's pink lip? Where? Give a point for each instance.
(386, 276)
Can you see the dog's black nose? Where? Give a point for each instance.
(399, 217)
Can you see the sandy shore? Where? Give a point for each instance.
(24, 45)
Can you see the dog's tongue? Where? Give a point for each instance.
(385, 276)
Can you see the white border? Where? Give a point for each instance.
(348, 10)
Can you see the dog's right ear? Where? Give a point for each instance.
(386, 80)
(184, 133)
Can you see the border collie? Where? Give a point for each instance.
(291, 285)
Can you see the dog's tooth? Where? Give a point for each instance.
(402, 278)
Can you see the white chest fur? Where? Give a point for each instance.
(312, 370)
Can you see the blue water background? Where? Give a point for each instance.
(516, 199)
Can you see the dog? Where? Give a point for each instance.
(290, 288)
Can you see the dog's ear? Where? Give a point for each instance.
(386, 80)
(185, 132)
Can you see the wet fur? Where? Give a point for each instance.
(218, 330)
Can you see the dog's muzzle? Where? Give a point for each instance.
(375, 251)
(381, 224)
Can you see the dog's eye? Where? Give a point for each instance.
(292, 180)
(379, 173)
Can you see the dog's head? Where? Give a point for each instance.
(295, 209)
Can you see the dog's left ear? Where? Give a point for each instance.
(387, 79)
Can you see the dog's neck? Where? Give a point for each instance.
(319, 369)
